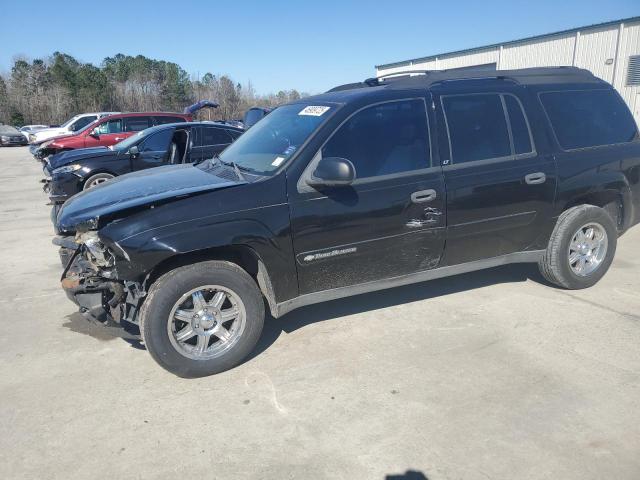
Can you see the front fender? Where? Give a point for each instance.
(265, 230)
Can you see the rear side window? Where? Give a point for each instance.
(136, 124)
(213, 136)
(477, 127)
(384, 139)
(161, 120)
(589, 118)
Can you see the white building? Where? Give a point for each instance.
(610, 50)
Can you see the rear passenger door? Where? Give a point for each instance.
(500, 186)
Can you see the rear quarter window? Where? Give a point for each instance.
(589, 118)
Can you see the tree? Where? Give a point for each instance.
(51, 90)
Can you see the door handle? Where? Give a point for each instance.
(535, 178)
(423, 196)
(117, 139)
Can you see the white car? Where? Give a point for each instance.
(28, 129)
(69, 127)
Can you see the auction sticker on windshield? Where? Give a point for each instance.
(314, 110)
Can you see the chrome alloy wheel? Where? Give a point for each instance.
(587, 249)
(206, 322)
(97, 181)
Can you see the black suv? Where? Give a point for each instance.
(369, 186)
(70, 172)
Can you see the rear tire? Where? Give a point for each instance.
(97, 179)
(581, 248)
(182, 321)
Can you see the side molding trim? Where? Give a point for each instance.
(441, 272)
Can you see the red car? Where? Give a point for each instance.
(108, 131)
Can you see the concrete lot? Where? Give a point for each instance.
(487, 375)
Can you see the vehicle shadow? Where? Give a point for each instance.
(408, 475)
(304, 316)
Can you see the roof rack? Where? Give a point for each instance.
(525, 76)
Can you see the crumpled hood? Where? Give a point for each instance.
(70, 156)
(134, 190)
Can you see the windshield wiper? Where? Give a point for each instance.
(215, 159)
(237, 169)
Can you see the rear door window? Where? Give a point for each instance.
(477, 127)
(213, 136)
(136, 124)
(589, 118)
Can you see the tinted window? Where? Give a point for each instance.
(112, 126)
(519, 127)
(82, 122)
(234, 134)
(589, 118)
(162, 120)
(384, 139)
(158, 142)
(477, 127)
(135, 124)
(213, 136)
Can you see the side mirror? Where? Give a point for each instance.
(333, 172)
(133, 151)
(94, 133)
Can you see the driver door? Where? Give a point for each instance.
(153, 151)
(390, 221)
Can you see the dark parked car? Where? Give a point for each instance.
(10, 136)
(71, 172)
(370, 186)
(253, 115)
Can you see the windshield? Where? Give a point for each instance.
(275, 138)
(8, 129)
(127, 143)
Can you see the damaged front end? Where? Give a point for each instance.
(90, 281)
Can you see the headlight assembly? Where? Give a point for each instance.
(67, 169)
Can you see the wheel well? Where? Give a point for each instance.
(242, 255)
(609, 200)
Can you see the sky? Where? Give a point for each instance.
(282, 45)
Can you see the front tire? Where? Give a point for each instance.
(95, 180)
(581, 248)
(202, 319)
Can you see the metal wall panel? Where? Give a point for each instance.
(553, 51)
(629, 45)
(468, 59)
(595, 48)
